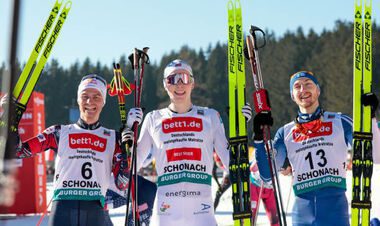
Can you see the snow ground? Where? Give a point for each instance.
(224, 211)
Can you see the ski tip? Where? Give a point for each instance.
(358, 3)
(368, 3)
(68, 5)
(58, 2)
(237, 4)
(230, 5)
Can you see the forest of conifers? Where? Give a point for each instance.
(328, 55)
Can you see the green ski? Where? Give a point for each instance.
(362, 137)
(239, 163)
(38, 58)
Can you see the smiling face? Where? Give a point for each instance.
(180, 93)
(90, 103)
(306, 93)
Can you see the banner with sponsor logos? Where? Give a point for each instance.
(31, 196)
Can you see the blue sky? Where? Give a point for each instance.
(104, 30)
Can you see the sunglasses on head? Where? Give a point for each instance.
(175, 78)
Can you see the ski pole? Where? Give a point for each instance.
(117, 87)
(120, 86)
(276, 183)
(261, 103)
(144, 58)
(138, 60)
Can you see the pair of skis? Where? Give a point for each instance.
(119, 86)
(39, 56)
(362, 127)
(28, 79)
(239, 162)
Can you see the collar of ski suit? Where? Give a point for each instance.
(191, 108)
(84, 125)
(302, 117)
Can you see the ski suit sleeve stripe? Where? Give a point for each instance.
(376, 142)
(347, 127)
(220, 140)
(44, 141)
(145, 141)
(347, 118)
(280, 155)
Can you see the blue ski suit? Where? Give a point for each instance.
(317, 152)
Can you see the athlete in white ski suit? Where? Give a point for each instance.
(182, 138)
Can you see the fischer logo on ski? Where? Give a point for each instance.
(36, 62)
(362, 162)
(238, 141)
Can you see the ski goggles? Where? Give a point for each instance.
(175, 78)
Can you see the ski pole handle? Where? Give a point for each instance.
(144, 60)
(254, 31)
(251, 53)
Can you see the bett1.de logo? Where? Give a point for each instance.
(182, 124)
(87, 141)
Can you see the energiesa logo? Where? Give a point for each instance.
(87, 141)
(182, 124)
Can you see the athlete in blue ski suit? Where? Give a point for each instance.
(316, 143)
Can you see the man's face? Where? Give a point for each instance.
(90, 103)
(305, 93)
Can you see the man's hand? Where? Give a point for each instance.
(370, 99)
(260, 120)
(247, 112)
(134, 115)
(127, 137)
